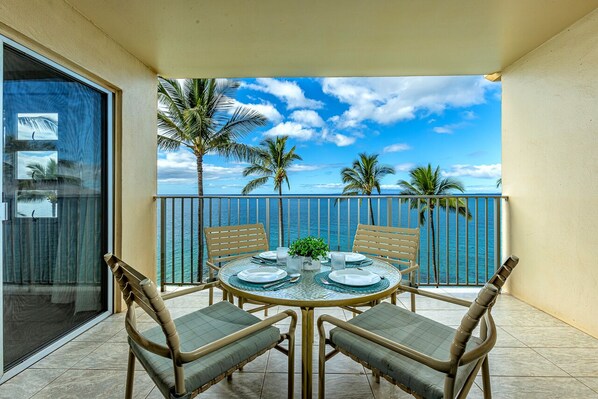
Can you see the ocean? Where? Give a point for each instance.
(467, 250)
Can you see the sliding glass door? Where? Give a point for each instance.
(55, 192)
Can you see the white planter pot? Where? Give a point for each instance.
(310, 264)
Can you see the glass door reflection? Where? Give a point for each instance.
(54, 184)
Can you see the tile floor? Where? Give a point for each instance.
(536, 356)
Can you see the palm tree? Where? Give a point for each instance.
(45, 180)
(272, 162)
(201, 114)
(499, 182)
(425, 181)
(364, 176)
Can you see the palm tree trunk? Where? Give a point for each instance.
(200, 217)
(280, 221)
(371, 211)
(436, 274)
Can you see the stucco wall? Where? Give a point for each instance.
(550, 173)
(54, 29)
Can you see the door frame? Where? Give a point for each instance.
(110, 209)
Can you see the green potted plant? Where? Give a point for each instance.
(312, 249)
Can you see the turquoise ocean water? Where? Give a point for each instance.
(463, 257)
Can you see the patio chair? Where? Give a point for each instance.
(227, 243)
(187, 355)
(423, 357)
(397, 246)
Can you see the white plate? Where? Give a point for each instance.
(264, 274)
(354, 277)
(269, 255)
(352, 257)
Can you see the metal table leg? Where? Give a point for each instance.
(307, 342)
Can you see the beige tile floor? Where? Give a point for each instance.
(536, 356)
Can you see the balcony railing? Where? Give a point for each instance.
(467, 249)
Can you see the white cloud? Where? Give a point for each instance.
(177, 167)
(180, 167)
(469, 115)
(305, 167)
(397, 147)
(390, 100)
(443, 130)
(480, 171)
(450, 128)
(291, 129)
(265, 108)
(287, 91)
(404, 167)
(339, 139)
(308, 118)
(390, 186)
(327, 186)
(213, 172)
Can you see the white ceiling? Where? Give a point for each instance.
(247, 38)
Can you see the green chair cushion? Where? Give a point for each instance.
(200, 328)
(409, 329)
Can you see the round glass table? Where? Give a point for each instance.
(307, 294)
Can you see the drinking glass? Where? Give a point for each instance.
(294, 264)
(337, 260)
(282, 253)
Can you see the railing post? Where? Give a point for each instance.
(496, 233)
(505, 228)
(162, 244)
(268, 221)
(389, 211)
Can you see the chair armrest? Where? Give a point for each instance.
(426, 360)
(212, 266)
(191, 290)
(444, 298)
(410, 269)
(484, 347)
(145, 343)
(186, 357)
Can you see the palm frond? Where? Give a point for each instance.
(253, 184)
(168, 144)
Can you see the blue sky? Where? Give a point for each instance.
(452, 122)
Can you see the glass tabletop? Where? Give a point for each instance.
(307, 292)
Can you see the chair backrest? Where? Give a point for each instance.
(141, 291)
(396, 245)
(480, 307)
(226, 243)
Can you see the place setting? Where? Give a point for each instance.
(264, 278)
(351, 259)
(347, 276)
(265, 258)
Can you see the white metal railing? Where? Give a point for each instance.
(468, 250)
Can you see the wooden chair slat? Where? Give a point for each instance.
(226, 243)
(398, 240)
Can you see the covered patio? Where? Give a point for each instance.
(545, 54)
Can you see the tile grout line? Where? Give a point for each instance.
(39, 390)
(583, 383)
(551, 362)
